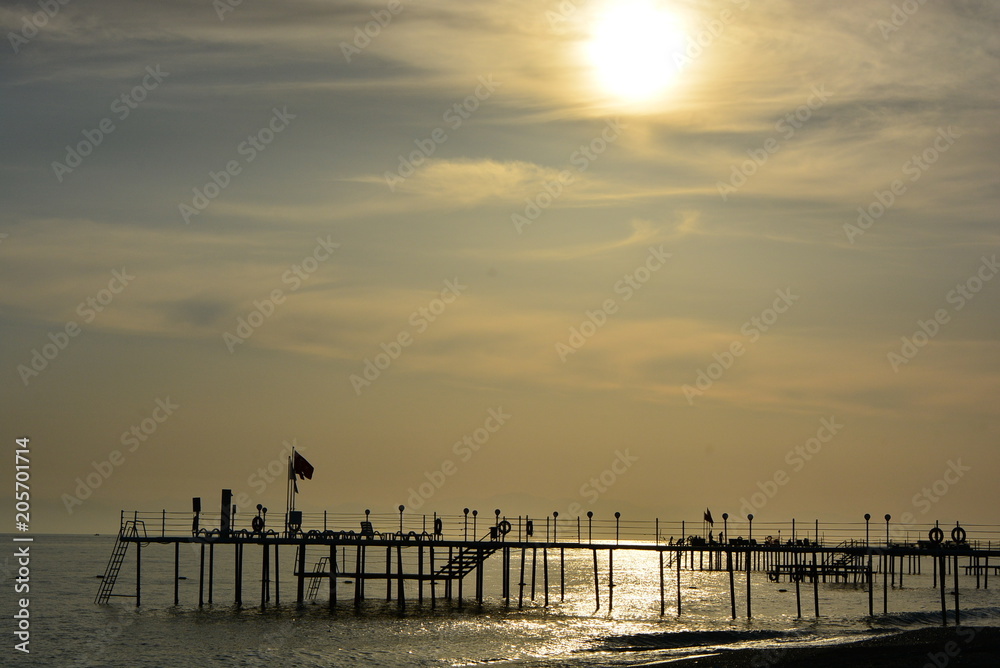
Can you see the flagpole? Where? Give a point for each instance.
(289, 492)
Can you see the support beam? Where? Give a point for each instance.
(177, 575)
(300, 586)
(138, 573)
(333, 577)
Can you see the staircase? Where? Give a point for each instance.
(314, 582)
(843, 563)
(467, 560)
(129, 530)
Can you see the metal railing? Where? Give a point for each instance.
(555, 528)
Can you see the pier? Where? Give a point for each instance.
(444, 557)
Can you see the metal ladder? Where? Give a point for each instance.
(129, 529)
(314, 582)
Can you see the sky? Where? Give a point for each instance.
(647, 257)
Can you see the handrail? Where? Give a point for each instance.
(596, 529)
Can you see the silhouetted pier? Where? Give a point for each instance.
(446, 556)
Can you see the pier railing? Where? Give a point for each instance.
(561, 529)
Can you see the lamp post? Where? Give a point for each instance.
(401, 509)
(725, 527)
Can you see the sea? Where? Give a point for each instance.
(67, 628)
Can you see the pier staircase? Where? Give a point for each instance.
(844, 563)
(839, 565)
(129, 530)
(314, 582)
(467, 560)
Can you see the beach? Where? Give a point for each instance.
(970, 647)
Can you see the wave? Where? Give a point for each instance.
(903, 620)
(685, 639)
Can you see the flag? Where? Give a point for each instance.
(302, 468)
(708, 517)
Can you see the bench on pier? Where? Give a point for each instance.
(368, 531)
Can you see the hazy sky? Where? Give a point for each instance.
(537, 255)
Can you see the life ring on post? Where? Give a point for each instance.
(936, 535)
(504, 527)
(258, 524)
(438, 526)
(958, 535)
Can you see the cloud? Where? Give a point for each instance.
(466, 183)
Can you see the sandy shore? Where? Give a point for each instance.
(972, 647)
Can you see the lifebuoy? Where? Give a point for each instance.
(773, 576)
(504, 527)
(936, 535)
(438, 526)
(258, 524)
(958, 535)
(529, 528)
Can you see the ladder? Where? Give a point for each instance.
(129, 529)
(314, 582)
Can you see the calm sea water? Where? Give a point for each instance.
(68, 629)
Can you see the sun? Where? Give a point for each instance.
(633, 50)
